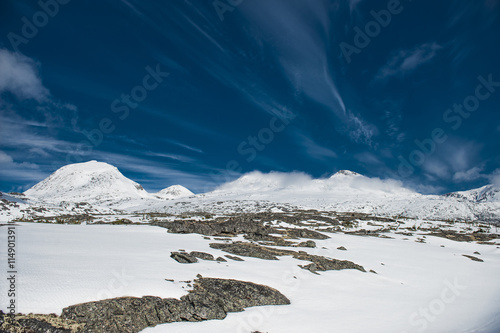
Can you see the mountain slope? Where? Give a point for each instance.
(488, 193)
(105, 189)
(174, 192)
(89, 181)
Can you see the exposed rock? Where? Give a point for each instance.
(341, 248)
(183, 257)
(319, 263)
(221, 259)
(304, 233)
(385, 236)
(234, 257)
(232, 226)
(250, 250)
(210, 299)
(473, 258)
(308, 243)
(202, 255)
(460, 237)
(34, 323)
(269, 240)
(364, 232)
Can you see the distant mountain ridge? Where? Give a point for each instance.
(96, 181)
(97, 187)
(488, 193)
(83, 181)
(174, 192)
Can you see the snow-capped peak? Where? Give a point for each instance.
(174, 192)
(488, 193)
(86, 181)
(257, 182)
(345, 173)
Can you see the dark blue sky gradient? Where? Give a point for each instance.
(272, 70)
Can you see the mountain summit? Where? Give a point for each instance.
(86, 181)
(174, 192)
(106, 189)
(346, 173)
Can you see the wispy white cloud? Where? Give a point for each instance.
(368, 158)
(27, 172)
(359, 130)
(393, 117)
(435, 167)
(19, 76)
(22, 136)
(314, 149)
(183, 145)
(157, 175)
(176, 157)
(407, 61)
(468, 175)
(456, 160)
(494, 178)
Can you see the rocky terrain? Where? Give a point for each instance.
(209, 299)
(240, 238)
(335, 245)
(96, 188)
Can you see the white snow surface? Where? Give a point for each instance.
(174, 192)
(105, 189)
(419, 287)
(82, 181)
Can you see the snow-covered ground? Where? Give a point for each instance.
(419, 287)
(99, 188)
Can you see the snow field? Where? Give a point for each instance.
(420, 287)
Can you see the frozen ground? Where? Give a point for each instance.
(419, 287)
(94, 188)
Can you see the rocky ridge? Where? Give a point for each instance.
(210, 298)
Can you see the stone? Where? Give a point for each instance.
(201, 255)
(319, 263)
(308, 243)
(183, 257)
(210, 299)
(473, 258)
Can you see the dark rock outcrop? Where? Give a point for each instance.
(308, 243)
(318, 263)
(210, 299)
(202, 255)
(235, 258)
(230, 227)
(461, 237)
(304, 233)
(251, 250)
(473, 258)
(35, 323)
(183, 257)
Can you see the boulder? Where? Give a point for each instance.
(210, 299)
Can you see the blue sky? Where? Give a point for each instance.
(199, 92)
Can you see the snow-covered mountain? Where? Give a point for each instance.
(488, 193)
(343, 182)
(348, 191)
(174, 192)
(90, 181)
(102, 188)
